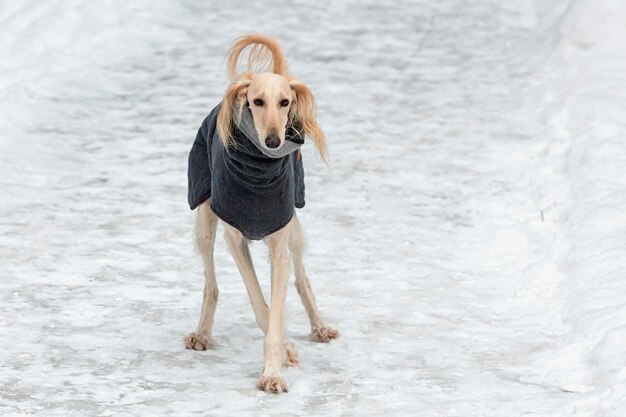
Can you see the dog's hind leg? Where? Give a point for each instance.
(238, 246)
(206, 226)
(320, 332)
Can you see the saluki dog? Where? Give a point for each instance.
(228, 181)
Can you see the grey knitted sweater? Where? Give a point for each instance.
(250, 191)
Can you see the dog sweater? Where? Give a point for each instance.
(250, 191)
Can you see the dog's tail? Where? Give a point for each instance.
(265, 55)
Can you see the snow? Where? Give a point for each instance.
(584, 114)
(467, 240)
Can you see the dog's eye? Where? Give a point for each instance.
(258, 102)
(284, 102)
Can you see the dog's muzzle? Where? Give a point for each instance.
(293, 138)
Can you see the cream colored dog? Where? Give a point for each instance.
(275, 99)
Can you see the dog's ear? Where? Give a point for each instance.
(234, 100)
(302, 114)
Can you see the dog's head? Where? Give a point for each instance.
(277, 101)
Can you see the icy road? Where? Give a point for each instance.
(468, 239)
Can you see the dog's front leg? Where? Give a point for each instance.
(271, 377)
(238, 246)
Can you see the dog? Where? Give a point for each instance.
(250, 177)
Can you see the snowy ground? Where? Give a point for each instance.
(468, 239)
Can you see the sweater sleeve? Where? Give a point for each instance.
(199, 171)
(299, 179)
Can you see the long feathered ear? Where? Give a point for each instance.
(303, 115)
(234, 99)
(265, 55)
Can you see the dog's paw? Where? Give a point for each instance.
(197, 341)
(272, 384)
(290, 355)
(324, 334)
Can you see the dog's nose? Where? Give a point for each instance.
(272, 141)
